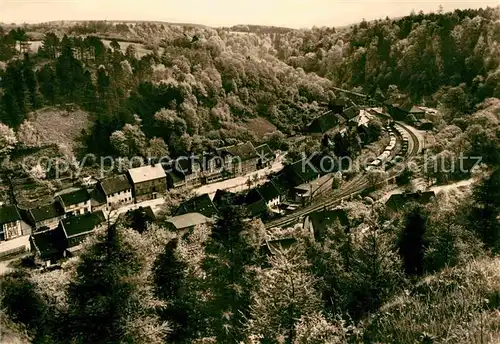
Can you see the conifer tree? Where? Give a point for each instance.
(485, 213)
(229, 264)
(101, 297)
(412, 243)
(285, 294)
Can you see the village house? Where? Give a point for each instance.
(14, 232)
(46, 217)
(238, 159)
(245, 158)
(49, 246)
(273, 247)
(186, 222)
(217, 166)
(337, 105)
(139, 219)
(350, 113)
(318, 222)
(200, 204)
(184, 173)
(296, 174)
(269, 192)
(98, 199)
(404, 111)
(306, 192)
(256, 209)
(77, 228)
(10, 223)
(324, 123)
(75, 202)
(117, 191)
(266, 156)
(224, 199)
(148, 182)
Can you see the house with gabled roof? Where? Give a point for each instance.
(10, 222)
(337, 105)
(295, 174)
(265, 156)
(77, 228)
(200, 204)
(117, 190)
(98, 199)
(46, 217)
(273, 247)
(76, 202)
(148, 182)
(184, 172)
(224, 199)
(269, 192)
(14, 231)
(186, 221)
(305, 192)
(49, 246)
(323, 123)
(256, 209)
(318, 222)
(350, 113)
(403, 110)
(244, 158)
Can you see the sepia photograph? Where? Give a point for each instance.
(249, 172)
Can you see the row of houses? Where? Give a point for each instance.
(30, 229)
(407, 112)
(341, 117)
(332, 119)
(296, 184)
(20, 229)
(220, 164)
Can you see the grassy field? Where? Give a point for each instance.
(260, 126)
(56, 126)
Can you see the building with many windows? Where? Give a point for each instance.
(14, 232)
(117, 190)
(148, 182)
(75, 202)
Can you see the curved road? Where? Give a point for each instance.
(351, 188)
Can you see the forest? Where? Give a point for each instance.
(427, 274)
(197, 86)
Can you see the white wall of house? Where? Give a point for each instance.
(274, 202)
(21, 243)
(79, 209)
(120, 198)
(12, 230)
(50, 223)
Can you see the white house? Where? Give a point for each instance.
(75, 202)
(14, 232)
(148, 182)
(117, 190)
(269, 192)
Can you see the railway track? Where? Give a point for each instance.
(354, 187)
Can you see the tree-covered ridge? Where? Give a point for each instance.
(418, 53)
(210, 81)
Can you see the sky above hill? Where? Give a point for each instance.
(289, 13)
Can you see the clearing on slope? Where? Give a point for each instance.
(58, 126)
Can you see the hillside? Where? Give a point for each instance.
(362, 263)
